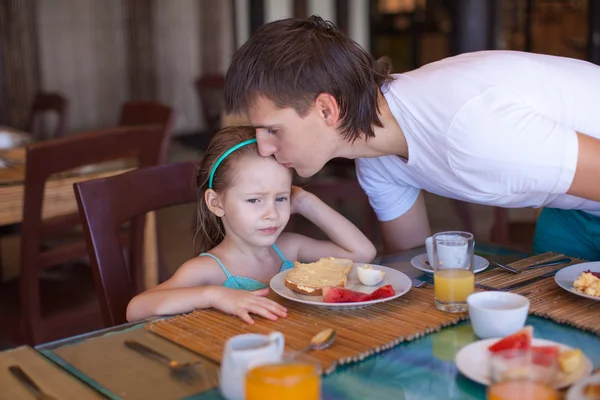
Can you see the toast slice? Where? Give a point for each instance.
(311, 278)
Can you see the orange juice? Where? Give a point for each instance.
(521, 390)
(453, 285)
(283, 382)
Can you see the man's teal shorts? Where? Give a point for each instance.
(571, 232)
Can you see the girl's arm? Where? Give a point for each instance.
(184, 292)
(346, 240)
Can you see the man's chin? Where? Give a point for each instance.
(305, 172)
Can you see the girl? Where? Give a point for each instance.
(246, 203)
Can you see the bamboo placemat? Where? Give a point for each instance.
(547, 299)
(360, 332)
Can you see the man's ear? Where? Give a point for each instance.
(213, 202)
(328, 108)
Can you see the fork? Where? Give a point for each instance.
(185, 371)
(417, 282)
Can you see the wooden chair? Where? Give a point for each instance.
(210, 93)
(105, 204)
(40, 309)
(149, 113)
(135, 113)
(48, 102)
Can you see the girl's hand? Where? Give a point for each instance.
(298, 199)
(242, 303)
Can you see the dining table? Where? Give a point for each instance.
(423, 368)
(59, 197)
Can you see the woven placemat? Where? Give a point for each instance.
(366, 331)
(548, 300)
(360, 332)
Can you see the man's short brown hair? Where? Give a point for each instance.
(292, 61)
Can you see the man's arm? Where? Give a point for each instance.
(408, 230)
(586, 182)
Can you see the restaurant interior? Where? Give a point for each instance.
(91, 89)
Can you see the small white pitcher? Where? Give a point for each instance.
(242, 353)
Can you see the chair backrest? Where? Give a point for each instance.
(45, 102)
(50, 157)
(210, 90)
(339, 191)
(104, 204)
(149, 113)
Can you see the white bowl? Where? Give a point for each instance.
(497, 314)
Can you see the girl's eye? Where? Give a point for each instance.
(282, 199)
(252, 201)
(271, 131)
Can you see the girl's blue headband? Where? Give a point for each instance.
(220, 159)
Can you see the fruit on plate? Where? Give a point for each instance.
(596, 274)
(518, 340)
(545, 355)
(343, 295)
(570, 360)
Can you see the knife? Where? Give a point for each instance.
(29, 383)
(563, 260)
(532, 280)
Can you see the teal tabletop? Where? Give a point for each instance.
(422, 369)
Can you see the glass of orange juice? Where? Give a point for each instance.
(295, 377)
(453, 277)
(519, 374)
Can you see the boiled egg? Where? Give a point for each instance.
(369, 276)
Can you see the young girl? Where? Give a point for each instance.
(245, 205)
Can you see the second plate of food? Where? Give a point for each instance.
(587, 285)
(473, 361)
(400, 282)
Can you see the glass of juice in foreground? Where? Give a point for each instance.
(453, 277)
(295, 377)
(519, 374)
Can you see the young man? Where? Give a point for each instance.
(500, 128)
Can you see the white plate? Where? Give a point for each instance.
(399, 281)
(420, 262)
(566, 276)
(576, 391)
(473, 362)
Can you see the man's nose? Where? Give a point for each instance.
(265, 147)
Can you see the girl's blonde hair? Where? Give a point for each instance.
(209, 230)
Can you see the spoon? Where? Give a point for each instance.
(183, 370)
(321, 340)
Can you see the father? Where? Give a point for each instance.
(501, 128)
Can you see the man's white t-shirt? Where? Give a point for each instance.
(491, 127)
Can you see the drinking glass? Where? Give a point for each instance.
(295, 377)
(521, 374)
(453, 277)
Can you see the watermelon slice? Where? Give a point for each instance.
(382, 293)
(343, 295)
(518, 340)
(545, 355)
